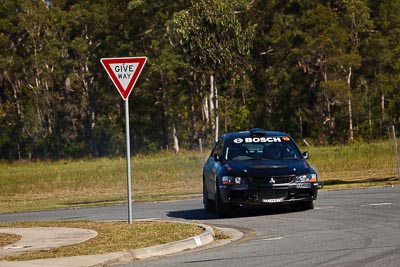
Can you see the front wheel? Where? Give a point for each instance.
(207, 203)
(221, 209)
(307, 205)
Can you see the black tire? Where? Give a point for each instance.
(207, 203)
(307, 205)
(221, 209)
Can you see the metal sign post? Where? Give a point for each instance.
(128, 162)
(395, 151)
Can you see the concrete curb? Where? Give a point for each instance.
(204, 238)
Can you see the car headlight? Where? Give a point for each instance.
(233, 180)
(306, 178)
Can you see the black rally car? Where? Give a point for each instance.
(257, 167)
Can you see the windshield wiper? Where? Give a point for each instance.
(256, 159)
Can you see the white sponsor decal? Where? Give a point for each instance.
(238, 140)
(258, 140)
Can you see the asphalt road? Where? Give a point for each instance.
(347, 228)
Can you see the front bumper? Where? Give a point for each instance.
(269, 194)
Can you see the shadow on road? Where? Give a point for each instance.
(201, 214)
(196, 214)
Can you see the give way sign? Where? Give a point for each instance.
(124, 72)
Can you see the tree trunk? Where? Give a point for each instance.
(193, 118)
(351, 137)
(164, 107)
(214, 95)
(175, 137)
(382, 121)
(164, 127)
(216, 111)
(328, 119)
(204, 110)
(211, 103)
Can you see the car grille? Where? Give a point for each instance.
(283, 179)
(268, 194)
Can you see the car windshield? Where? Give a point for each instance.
(272, 148)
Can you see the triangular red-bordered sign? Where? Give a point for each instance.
(124, 72)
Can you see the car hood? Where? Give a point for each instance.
(264, 168)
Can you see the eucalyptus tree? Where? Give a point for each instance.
(11, 111)
(164, 87)
(357, 22)
(320, 53)
(35, 82)
(284, 100)
(215, 42)
(386, 64)
(377, 69)
(88, 30)
(53, 59)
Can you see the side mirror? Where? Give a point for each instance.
(306, 155)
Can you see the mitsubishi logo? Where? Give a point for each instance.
(272, 181)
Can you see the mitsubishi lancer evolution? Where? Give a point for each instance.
(257, 167)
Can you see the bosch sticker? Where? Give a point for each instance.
(274, 139)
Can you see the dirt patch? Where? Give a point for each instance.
(8, 239)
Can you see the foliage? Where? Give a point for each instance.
(323, 70)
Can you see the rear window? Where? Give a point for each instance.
(274, 148)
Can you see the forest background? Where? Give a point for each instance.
(323, 71)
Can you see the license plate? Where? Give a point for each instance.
(303, 185)
(239, 187)
(272, 200)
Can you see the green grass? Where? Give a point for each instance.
(28, 186)
(355, 165)
(47, 185)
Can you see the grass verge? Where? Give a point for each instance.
(26, 186)
(112, 237)
(355, 166)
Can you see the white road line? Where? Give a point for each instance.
(324, 207)
(380, 204)
(269, 239)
